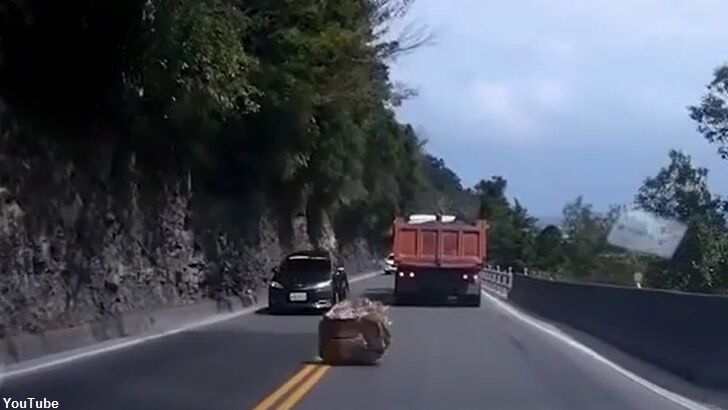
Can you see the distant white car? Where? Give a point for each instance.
(389, 267)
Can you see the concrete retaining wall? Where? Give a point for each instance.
(686, 334)
(25, 347)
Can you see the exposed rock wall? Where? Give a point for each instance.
(86, 234)
(78, 244)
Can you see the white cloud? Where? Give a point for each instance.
(566, 69)
(550, 95)
(499, 103)
(519, 109)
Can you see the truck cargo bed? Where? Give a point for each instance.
(454, 245)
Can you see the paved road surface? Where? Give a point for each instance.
(441, 359)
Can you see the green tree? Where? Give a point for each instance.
(390, 183)
(189, 74)
(512, 229)
(679, 191)
(712, 112)
(62, 63)
(495, 208)
(524, 233)
(161, 74)
(491, 194)
(442, 191)
(548, 249)
(586, 234)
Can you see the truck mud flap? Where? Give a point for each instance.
(404, 300)
(471, 300)
(436, 300)
(415, 299)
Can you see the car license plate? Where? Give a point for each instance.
(297, 296)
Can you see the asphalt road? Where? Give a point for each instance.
(442, 358)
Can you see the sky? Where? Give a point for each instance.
(564, 98)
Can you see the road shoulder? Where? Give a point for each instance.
(639, 368)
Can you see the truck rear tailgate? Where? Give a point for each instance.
(437, 244)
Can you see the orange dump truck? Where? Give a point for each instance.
(438, 257)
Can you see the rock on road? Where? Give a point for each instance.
(442, 358)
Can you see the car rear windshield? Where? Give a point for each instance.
(309, 268)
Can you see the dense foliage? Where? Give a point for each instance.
(578, 250)
(712, 112)
(290, 97)
(680, 191)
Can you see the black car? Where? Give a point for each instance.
(307, 280)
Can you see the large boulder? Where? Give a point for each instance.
(354, 331)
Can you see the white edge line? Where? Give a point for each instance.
(553, 332)
(141, 339)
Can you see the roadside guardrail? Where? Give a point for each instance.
(497, 280)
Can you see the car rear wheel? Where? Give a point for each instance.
(343, 292)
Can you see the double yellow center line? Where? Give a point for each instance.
(292, 391)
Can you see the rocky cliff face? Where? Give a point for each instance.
(85, 235)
